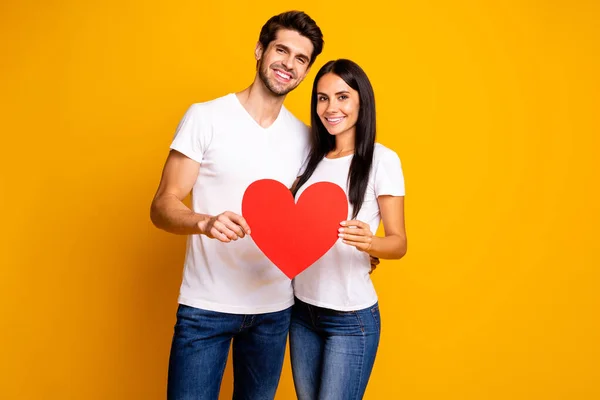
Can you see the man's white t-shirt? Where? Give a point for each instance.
(340, 279)
(233, 151)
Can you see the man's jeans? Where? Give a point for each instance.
(200, 348)
(332, 352)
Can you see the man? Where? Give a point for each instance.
(230, 290)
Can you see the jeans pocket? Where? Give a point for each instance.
(376, 316)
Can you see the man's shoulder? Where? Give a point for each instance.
(294, 121)
(213, 104)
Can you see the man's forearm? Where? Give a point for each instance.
(170, 214)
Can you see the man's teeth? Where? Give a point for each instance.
(282, 75)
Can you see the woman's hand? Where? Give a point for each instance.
(356, 233)
(392, 246)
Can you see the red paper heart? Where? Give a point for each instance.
(294, 235)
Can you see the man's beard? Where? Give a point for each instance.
(269, 84)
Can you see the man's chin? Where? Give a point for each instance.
(280, 91)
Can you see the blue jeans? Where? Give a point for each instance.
(200, 348)
(332, 352)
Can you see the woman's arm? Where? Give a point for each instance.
(393, 244)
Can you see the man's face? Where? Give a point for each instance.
(284, 63)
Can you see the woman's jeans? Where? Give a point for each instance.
(332, 352)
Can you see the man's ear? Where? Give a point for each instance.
(258, 51)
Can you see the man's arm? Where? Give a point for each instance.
(170, 214)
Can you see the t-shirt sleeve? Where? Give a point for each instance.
(389, 178)
(303, 166)
(193, 134)
(305, 153)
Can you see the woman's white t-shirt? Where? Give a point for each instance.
(340, 279)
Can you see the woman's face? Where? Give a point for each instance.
(337, 105)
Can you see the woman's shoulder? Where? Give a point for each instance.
(382, 152)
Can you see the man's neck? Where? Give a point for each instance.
(261, 103)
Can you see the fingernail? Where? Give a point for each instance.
(341, 230)
(343, 223)
(340, 235)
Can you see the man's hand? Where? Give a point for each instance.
(225, 227)
(374, 264)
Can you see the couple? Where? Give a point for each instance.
(230, 291)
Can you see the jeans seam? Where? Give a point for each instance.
(373, 311)
(244, 325)
(362, 364)
(362, 327)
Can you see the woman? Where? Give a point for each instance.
(335, 327)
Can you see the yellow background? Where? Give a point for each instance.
(492, 106)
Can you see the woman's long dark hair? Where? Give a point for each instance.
(322, 142)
